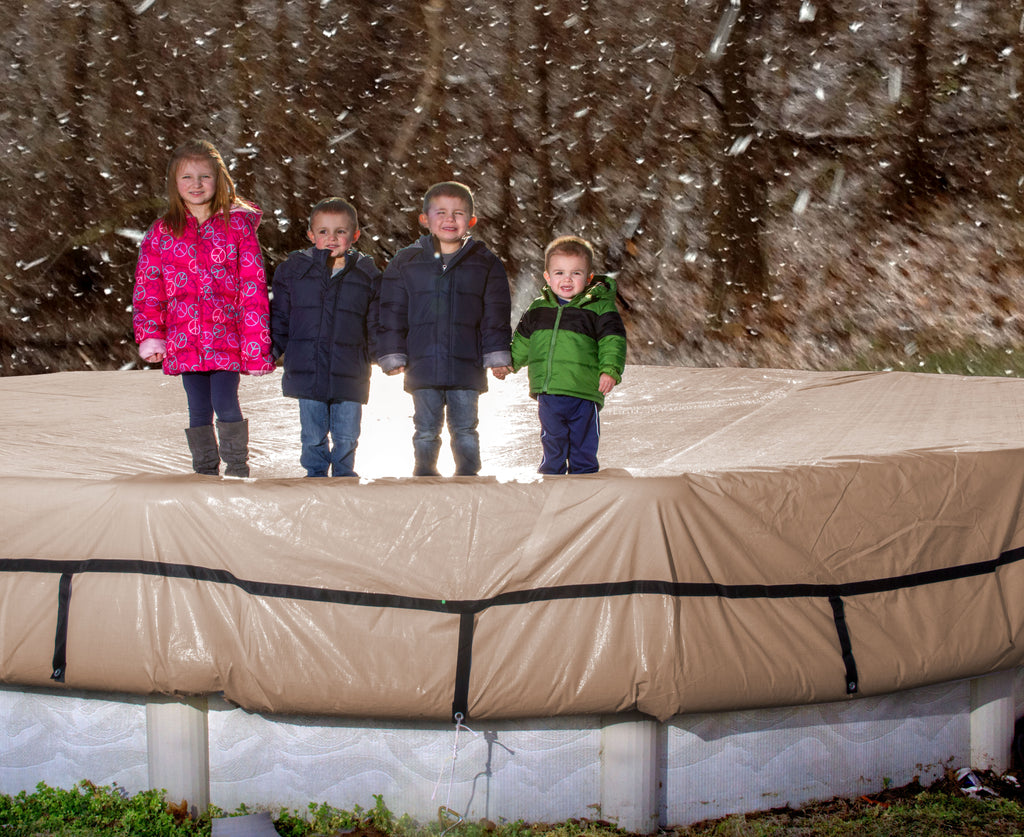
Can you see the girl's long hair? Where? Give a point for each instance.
(224, 196)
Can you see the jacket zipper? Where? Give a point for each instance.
(442, 285)
(551, 347)
(332, 288)
(554, 332)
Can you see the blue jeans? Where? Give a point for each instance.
(342, 420)
(428, 417)
(209, 392)
(570, 429)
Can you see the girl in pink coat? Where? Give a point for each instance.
(200, 305)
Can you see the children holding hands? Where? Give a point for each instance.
(440, 314)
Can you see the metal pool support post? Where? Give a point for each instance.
(178, 742)
(992, 711)
(629, 773)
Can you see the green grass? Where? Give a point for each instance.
(969, 359)
(928, 816)
(88, 810)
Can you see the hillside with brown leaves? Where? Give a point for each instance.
(818, 184)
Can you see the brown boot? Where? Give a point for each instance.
(234, 447)
(202, 442)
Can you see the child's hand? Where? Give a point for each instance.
(500, 372)
(397, 370)
(152, 349)
(605, 383)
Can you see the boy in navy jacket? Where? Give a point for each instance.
(323, 319)
(445, 318)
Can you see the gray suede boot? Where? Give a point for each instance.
(234, 447)
(202, 442)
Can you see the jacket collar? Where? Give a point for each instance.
(427, 244)
(319, 258)
(600, 285)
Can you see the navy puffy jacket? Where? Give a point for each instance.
(325, 326)
(445, 325)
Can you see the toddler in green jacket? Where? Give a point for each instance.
(574, 343)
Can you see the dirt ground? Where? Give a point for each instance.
(990, 785)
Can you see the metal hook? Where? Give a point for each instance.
(445, 814)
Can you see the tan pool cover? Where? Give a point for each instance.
(759, 537)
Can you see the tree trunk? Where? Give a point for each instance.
(243, 99)
(918, 173)
(740, 281)
(1016, 71)
(424, 105)
(543, 35)
(509, 146)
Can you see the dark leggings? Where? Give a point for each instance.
(209, 393)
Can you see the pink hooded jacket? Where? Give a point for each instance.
(201, 298)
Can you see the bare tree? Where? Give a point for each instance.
(679, 137)
(426, 94)
(1015, 73)
(738, 218)
(509, 152)
(917, 172)
(544, 37)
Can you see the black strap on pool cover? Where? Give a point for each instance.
(60, 643)
(468, 609)
(464, 662)
(839, 615)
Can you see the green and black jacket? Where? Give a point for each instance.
(567, 347)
